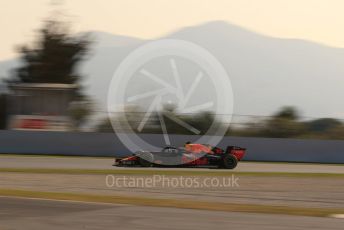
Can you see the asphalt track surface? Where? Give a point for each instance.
(304, 192)
(36, 214)
(7, 161)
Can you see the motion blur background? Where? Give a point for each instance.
(284, 59)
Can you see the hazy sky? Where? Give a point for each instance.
(317, 20)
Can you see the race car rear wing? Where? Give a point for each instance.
(238, 152)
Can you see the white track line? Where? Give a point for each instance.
(338, 216)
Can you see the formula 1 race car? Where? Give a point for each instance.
(192, 155)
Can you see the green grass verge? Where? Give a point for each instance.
(166, 172)
(174, 203)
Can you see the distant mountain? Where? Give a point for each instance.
(103, 39)
(270, 72)
(266, 72)
(6, 66)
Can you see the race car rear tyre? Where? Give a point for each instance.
(146, 159)
(229, 161)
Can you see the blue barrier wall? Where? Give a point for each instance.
(108, 144)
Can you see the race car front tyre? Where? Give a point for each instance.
(146, 159)
(229, 161)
